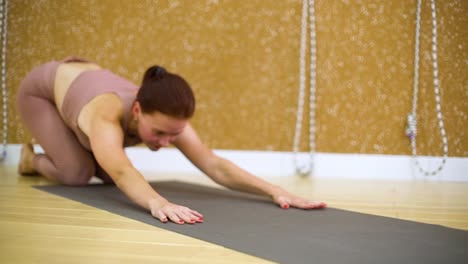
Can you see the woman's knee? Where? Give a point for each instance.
(77, 176)
(75, 181)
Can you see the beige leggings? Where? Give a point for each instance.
(65, 159)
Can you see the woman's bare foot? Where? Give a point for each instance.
(26, 166)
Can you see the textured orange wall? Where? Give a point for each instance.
(242, 59)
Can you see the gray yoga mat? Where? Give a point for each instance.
(257, 227)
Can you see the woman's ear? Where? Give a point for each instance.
(136, 109)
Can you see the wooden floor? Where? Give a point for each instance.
(36, 227)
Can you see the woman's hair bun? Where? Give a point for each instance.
(155, 73)
(160, 70)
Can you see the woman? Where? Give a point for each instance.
(83, 116)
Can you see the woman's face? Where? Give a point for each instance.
(158, 130)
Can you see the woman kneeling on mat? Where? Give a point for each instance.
(84, 116)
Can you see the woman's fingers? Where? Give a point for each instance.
(305, 204)
(197, 214)
(160, 215)
(319, 205)
(287, 200)
(175, 218)
(283, 202)
(178, 214)
(187, 217)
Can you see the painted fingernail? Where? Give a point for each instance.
(285, 206)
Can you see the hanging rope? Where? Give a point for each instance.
(304, 170)
(3, 33)
(412, 117)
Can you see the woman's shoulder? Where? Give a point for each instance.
(107, 106)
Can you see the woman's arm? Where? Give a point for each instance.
(101, 124)
(226, 173)
(106, 139)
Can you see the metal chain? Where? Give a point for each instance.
(3, 33)
(304, 170)
(412, 117)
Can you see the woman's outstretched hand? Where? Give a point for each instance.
(285, 200)
(165, 211)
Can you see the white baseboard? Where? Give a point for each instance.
(274, 164)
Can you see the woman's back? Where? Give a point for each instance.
(66, 73)
(78, 83)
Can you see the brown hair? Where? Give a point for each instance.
(167, 93)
